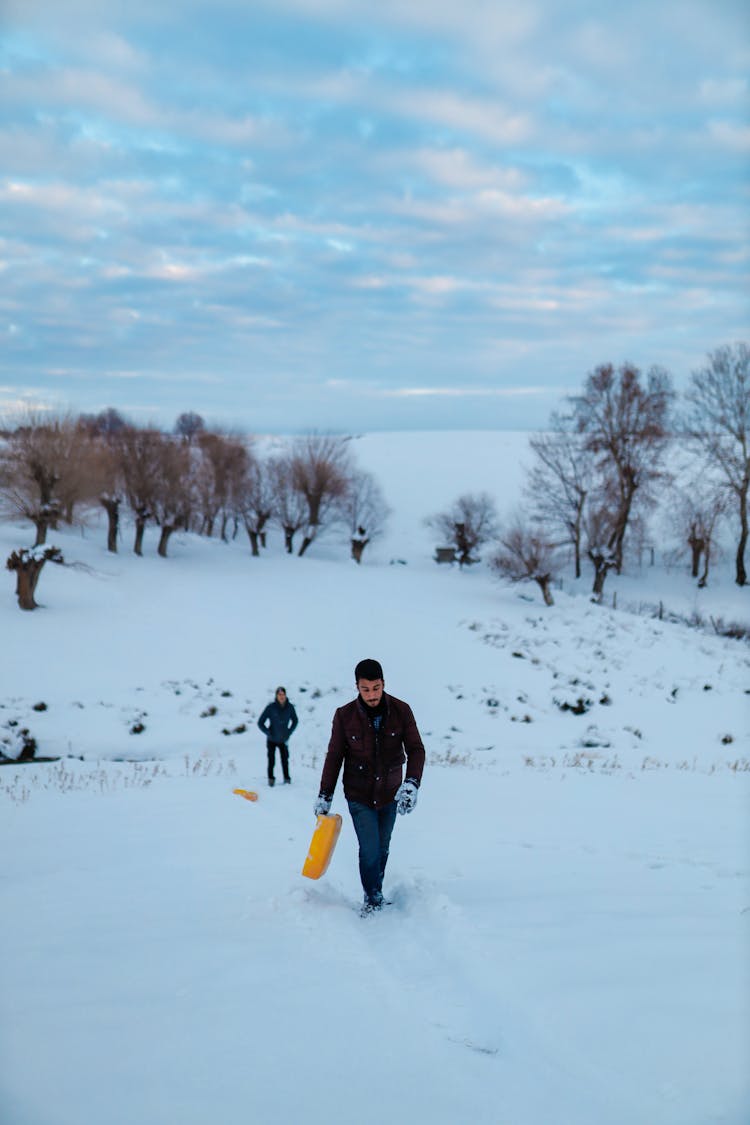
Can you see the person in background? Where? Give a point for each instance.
(277, 722)
(371, 738)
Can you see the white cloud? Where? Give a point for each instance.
(457, 168)
(724, 91)
(447, 109)
(730, 135)
(464, 392)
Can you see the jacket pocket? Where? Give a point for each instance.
(355, 771)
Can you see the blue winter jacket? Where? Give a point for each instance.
(278, 722)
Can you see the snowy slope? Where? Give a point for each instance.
(571, 909)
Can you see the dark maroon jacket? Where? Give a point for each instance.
(372, 767)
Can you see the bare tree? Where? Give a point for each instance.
(189, 426)
(469, 523)
(27, 566)
(365, 511)
(109, 476)
(697, 509)
(48, 468)
(104, 424)
(139, 457)
(173, 494)
(289, 505)
(321, 468)
(559, 482)
(220, 474)
(598, 528)
(526, 554)
(102, 431)
(256, 502)
(719, 421)
(625, 426)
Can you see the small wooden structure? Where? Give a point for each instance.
(445, 554)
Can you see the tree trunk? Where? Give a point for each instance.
(697, 546)
(741, 577)
(543, 581)
(112, 508)
(140, 527)
(617, 538)
(602, 565)
(600, 573)
(166, 533)
(578, 523)
(34, 576)
(703, 580)
(358, 546)
(42, 524)
(252, 535)
(27, 577)
(309, 536)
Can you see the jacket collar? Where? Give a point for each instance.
(382, 709)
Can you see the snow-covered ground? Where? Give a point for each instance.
(568, 938)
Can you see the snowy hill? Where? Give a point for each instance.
(567, 942)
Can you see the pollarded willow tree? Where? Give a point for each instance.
(526, 553)
(560, 481)
(624, 421)
(697, 509)
(468, 524)
(718, 421)
(220, 466)
(173, 495)
(257, 503)
(27, 565)
(364, 511)
(289, 505)
(320, 471)
(48, 467)
(138, 454)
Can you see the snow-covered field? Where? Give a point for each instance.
(568, 940)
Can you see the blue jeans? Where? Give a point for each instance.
(373, 828)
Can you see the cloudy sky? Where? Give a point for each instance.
(339, 214)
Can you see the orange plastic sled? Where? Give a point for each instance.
(321, 846)
(248, 794)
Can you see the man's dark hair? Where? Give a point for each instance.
(368, 670)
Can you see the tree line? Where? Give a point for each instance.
(596, 473)
(195, 479)
(602, 464)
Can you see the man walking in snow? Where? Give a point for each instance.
(277, 723)
(371, 737)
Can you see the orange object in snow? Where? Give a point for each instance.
(321, 846)
(248, 794)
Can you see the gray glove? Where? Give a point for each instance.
(322, 805)
(406, 797)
